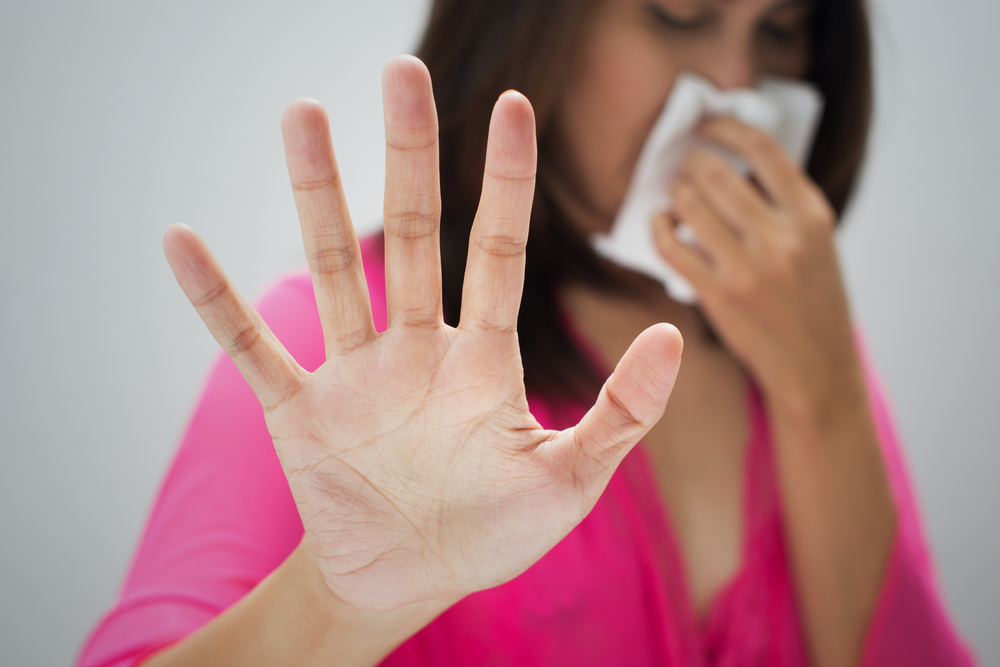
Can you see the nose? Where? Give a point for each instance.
(729, 64)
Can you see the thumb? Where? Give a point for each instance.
(630, 403)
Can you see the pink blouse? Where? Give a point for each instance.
(613, 592)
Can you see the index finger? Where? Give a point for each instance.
(494, 275)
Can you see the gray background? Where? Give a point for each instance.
(119, 118)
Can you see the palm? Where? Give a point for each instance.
(424, 467)
(418, 471)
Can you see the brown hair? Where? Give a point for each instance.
(476, 49)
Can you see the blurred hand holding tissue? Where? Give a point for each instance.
(787, 109)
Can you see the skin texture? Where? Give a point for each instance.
(772, 308)
(419, 473)
(397, 532)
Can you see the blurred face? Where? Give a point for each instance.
(629, 58)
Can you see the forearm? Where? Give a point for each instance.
(838, 510)
(291, 618)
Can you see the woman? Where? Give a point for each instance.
(426, 509)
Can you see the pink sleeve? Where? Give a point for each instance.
(224, 518)
(910, 626)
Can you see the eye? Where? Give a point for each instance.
(780, 33)
(668, 20)
(789, 23)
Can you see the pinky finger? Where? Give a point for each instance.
(270, 371)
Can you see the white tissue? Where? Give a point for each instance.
(789, 110)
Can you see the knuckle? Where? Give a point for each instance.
(415, 223)
(501, 245)
(585, 466)
(788, 256)
(822, 214)
(816, 208)
(411, 139)
(333, 260)
(512, 175)
(348, 342)
(419, 316)
(762, 143)
(330, 181)
(221, 288)
(245, 339)
(742, 285)
(487, 325)
(629, 421)
(286, 393)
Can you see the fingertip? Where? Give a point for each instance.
(180, 248)
(669, 338)
(407, 93)
(185, 250)
(518, 111)
(305, 128)
(303, 113)
(171, 233)
(404, 66)
(513, 107)
(177, 238)
(512, 147)
(658, 350)
(511, 96)
(662, 342)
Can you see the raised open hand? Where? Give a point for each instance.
(417, 468)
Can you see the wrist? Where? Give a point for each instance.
(292, 618)
(819, 397)
(372, 634)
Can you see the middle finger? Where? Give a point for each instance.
(412, 195)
